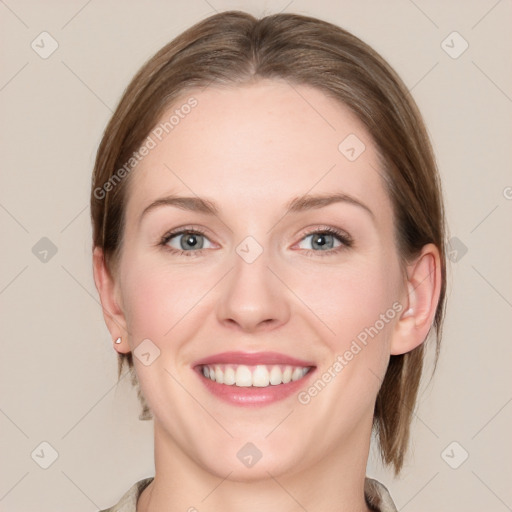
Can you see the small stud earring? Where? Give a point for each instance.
(119, 340)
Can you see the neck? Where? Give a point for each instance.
(335, 483)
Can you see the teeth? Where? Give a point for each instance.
(296, 375)
(219, 376)
(243, 376)
(258, 376)
(276, 375)
(229, 376)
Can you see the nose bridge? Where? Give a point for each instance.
(252, 296)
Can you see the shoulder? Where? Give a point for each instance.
(128, 502)
(378, 497)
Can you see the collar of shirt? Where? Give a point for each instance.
(376, 494)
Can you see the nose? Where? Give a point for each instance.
(252, 297)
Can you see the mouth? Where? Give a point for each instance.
(253, 378)
(260, 376)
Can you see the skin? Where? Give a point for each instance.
(251, 149)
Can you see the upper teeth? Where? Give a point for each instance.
(259, 376)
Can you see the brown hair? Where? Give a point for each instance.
(233, 48)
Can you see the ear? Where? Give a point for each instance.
(423, 285)
(110, 303)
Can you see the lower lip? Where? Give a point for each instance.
(250, 396)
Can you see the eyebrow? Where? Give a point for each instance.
(296, 205)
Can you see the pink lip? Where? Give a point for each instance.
(253, 396)
(252, 359)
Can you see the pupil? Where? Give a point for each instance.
(191, 240)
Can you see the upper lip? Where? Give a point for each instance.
(252, 359)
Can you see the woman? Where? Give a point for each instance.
(268, 235)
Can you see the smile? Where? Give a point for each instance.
(253, 376)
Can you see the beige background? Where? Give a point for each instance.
(58, 367)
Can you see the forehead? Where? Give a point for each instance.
(258, 145)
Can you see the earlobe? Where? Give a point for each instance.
(423, 286)
(112, 312)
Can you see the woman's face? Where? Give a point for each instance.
(287, 265)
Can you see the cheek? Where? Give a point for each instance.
(157, 298)
(360, 306)
(160, 304)
(346, 301)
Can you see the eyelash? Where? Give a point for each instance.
(344, 238)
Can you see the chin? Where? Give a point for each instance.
(243, 461)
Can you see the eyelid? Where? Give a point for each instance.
(181, 231)
(343, 235)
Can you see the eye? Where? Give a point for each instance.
(325, 240)
(191, 242)
(186, 241)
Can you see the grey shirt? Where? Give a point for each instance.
(377, 497)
